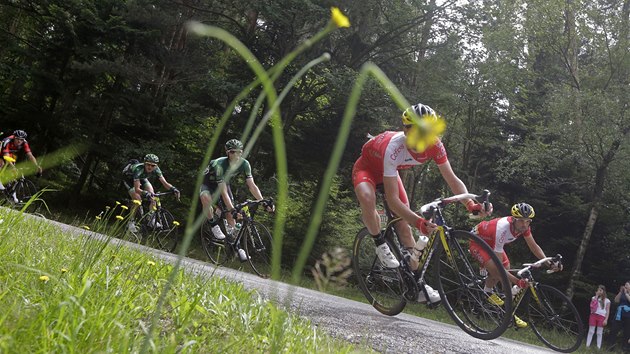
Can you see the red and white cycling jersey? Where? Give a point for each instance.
(10, 148)
(498, 233)
(387, 153)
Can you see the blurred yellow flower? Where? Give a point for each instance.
(151, 263)
(98, 217)
(425, 132)
(85, 227)
(124, 207)
(137, 202)
(119, 217)
(107, 207)
(339, 18)
(44, 278)
(176, 223)
(117, 203)
(64, 270)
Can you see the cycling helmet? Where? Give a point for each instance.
(420, 110)
(20, 134)
(233, 144)
(151, 158)
(523, 210)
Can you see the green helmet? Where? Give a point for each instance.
(151, 158)
(234, 144)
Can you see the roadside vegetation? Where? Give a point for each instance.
(63, 292)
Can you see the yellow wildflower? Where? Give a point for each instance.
(44, 278)
(176, 223)
(151, 263)
(107, 207)
(124, 207)
(339, 18)
(98, 217)
(85, 227)
(137, 202)
(117, 203)
(64, 270)
(425, 132)
(119, 217)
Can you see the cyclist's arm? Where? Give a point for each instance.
(533, 246)
(390, 184)
(253, 188)
(166, 185)
(137, 187)
(32, 158)
(454, 183)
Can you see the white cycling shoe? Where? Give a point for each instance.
(217, 233)
(386, 257)
(434, 295)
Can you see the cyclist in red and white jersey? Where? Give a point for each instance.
(11, 146)
(381, 158)
(499, 232)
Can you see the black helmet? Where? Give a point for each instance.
(233, 144)
(21, 134)
(523, 210)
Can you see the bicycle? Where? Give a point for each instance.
(158, 228)
(252, 237)
(460, 285)
(20, 190)
(552, 316)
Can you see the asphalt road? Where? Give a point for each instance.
(350, 320)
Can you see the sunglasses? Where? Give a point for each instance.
(235, 151)
(19, 139)
(151, 164)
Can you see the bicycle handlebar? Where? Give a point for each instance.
(537, 264)
(148, 196)
(249, 202)
(429, 209)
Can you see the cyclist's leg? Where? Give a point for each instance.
(228, 216)
(147, 186)
(205, 196)
(403, 229)
(365, 190)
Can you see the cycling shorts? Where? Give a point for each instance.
(482, 256)
(362, 173)
(128, 182)
(211, 188)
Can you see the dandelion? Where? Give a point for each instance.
(64, 270)
(151, 263)
(176, 223)
(117, 203)
(98, 217)
(124, 207)
(339, 18)
(119, 217)
(137, 202)
(44, 278)
(85, 227)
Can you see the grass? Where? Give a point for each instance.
(65, 293)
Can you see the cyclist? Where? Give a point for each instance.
(214, 179)
(137, 182)
(381, 158)
(10, 147)
(499, 232)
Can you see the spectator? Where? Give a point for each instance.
(621, 318)
(600, 309)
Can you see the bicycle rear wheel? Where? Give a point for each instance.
(461, 287)
(258, 243)
(554, 319)
(216, 250)
(164, 230)
(24, 191)
(383, 287)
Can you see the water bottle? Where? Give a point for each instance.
(421, 243)
(515, 290)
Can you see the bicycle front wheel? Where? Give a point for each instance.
(383, 287)
(215, 249)
(258, 246)
(554, 319)
(24, 191)
(166, 231)
(461, 287)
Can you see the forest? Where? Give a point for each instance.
(535, 94)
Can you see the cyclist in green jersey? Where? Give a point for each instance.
(214, 178)
(137, 182)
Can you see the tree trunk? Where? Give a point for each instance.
(85, 171)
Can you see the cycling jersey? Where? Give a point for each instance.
(498, 232)
(217, 169)
(386, 153)
(10, 148)
(137, 172)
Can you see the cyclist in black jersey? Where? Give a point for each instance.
(214, 178)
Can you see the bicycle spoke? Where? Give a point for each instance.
(258, 243)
